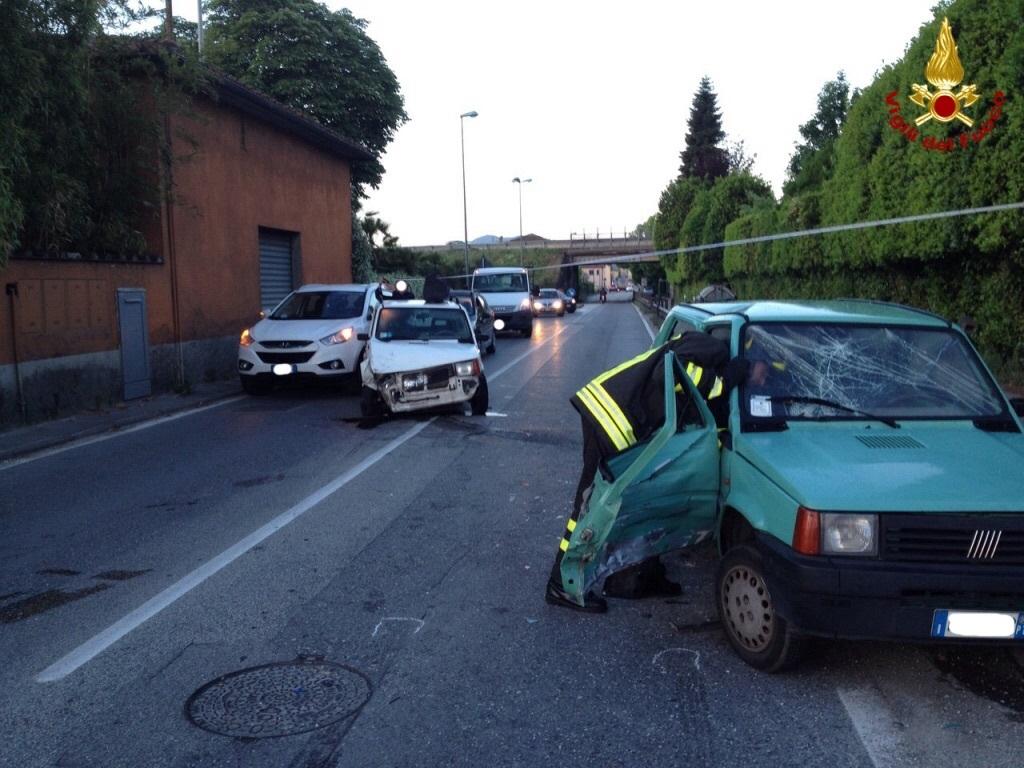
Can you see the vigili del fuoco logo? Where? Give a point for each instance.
(945, 72)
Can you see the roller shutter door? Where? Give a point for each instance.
(275, 266)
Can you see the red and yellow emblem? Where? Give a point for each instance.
(945, 72)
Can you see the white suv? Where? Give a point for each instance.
(313, 334)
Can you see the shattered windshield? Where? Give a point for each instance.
(858, 371)
(423, 324)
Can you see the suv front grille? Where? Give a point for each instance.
(272, 358)
(287, 344)
(981, 539)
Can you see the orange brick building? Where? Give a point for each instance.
(261, 204)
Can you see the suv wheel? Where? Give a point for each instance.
(759, 636)
(253, 385)
(479, 402)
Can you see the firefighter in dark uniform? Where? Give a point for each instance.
(625, 406)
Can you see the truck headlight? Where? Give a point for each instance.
(524, 304)
(846, 534)
(467, 368)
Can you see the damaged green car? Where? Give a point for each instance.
(870, 482)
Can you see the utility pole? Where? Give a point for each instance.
(200, 27)
(168, 21)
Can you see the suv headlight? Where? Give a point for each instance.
(846, 534)
(339, 337)
(246, 339)
(467, 368)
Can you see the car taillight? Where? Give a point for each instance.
(807, 532)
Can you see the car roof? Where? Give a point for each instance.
(497, 270)
(832, 311)
(334, 287)
(420, 304)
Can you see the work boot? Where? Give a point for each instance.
(555, 595)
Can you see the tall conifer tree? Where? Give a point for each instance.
(703, 157)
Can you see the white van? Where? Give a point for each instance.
(507, 290)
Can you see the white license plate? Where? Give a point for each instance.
(1006, 625)
(283, 369)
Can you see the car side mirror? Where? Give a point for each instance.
(363, 336)
(263, 313)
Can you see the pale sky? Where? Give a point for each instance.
(590, 99)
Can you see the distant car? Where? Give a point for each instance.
(481, 316)
(312, 334)
(570, 301)
(421, 356)
(549, 302)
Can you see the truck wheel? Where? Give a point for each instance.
(479, 402)
(529, 331)
(759, 636)
(370, 405)
(490, 348)
(253, 385)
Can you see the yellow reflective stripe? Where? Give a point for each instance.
(564, 545)
(606, 422)
(695, 372)
(613, 410)
(571, 525)
(679, 387)
(716, 389)
(778, 366)
(619, 368)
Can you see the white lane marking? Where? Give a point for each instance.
(874, 725)
(114, 433)
(99, 643)
(659, 654)
(647, 325)
(527, 353)
(380, 623)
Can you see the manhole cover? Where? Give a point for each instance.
(278, 699)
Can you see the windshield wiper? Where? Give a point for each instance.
(832, 404)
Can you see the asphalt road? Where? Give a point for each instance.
(407, 564)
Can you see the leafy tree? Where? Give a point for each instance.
(739, 160)
(811, 162)
(703, 157)
(315, 60)
(362, 253)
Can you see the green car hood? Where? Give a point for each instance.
(922, 467)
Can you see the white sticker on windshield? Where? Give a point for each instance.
(760, 405)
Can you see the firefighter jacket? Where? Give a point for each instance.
(626, 404)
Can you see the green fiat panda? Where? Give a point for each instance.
(870, 482)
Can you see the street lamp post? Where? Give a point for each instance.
(522, 245)
(465, 217)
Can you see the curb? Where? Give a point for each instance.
(129, 421)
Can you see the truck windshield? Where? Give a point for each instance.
(807, 371)
(508, 282)
(423, 324)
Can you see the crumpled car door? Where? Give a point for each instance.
(656, 497)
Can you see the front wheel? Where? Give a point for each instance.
(490, 348)
(479, 402)
(370, 405)
(528, 332)
(755, 631)
(253, 385)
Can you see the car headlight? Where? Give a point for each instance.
(846, 534)
(246, 339)
(524, 304)
(467, 368)
(538, 305)
(339, 337)
(558, 304)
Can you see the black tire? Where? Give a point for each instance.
(528, 332)
(370, 405)
(253, 385)
(757, 634)
(480, 400)
(490, 349)
(562, 313)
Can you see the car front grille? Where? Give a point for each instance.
(286, 344)
(981, 538)
(504, 308)
(272, 358)
(437, 378)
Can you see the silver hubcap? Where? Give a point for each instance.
(748, 608)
